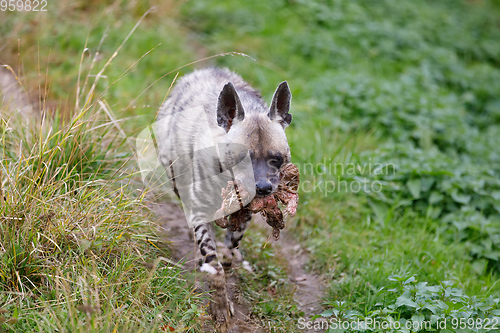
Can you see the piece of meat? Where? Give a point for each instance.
(267, 206)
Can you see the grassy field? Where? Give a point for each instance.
(396, 132)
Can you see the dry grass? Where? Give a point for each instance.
(78, 252)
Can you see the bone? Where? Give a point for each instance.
(267, 206)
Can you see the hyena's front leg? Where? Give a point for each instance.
(205, 237)
(220, 306)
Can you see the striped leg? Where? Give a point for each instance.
(233, 238)
(232, 242)
(220, 306)
(205, 237)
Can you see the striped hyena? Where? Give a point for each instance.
(213, 128)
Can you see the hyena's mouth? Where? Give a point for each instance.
(257, 195)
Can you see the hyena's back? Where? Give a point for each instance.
(186, 128)
(202, 88)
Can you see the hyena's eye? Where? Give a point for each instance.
(275, 162)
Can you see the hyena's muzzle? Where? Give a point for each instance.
(265, 170)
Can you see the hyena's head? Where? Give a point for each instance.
(259, 130)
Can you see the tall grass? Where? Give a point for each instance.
(78, 251)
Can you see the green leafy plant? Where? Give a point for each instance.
(413, 306)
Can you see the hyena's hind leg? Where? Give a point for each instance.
(220, 307)
(233, 239)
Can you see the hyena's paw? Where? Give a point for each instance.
(237, 257)
(225, 256)
(220, 307)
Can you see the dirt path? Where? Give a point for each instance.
(12, 96)
(180, 237)
(308, 287)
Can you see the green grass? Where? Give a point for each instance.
(56, 52)
(78, 249)
(267, 288)
(409, 84)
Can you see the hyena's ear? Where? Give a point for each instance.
(229, 107)
(281, 105)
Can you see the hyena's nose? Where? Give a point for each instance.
(263, 187)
